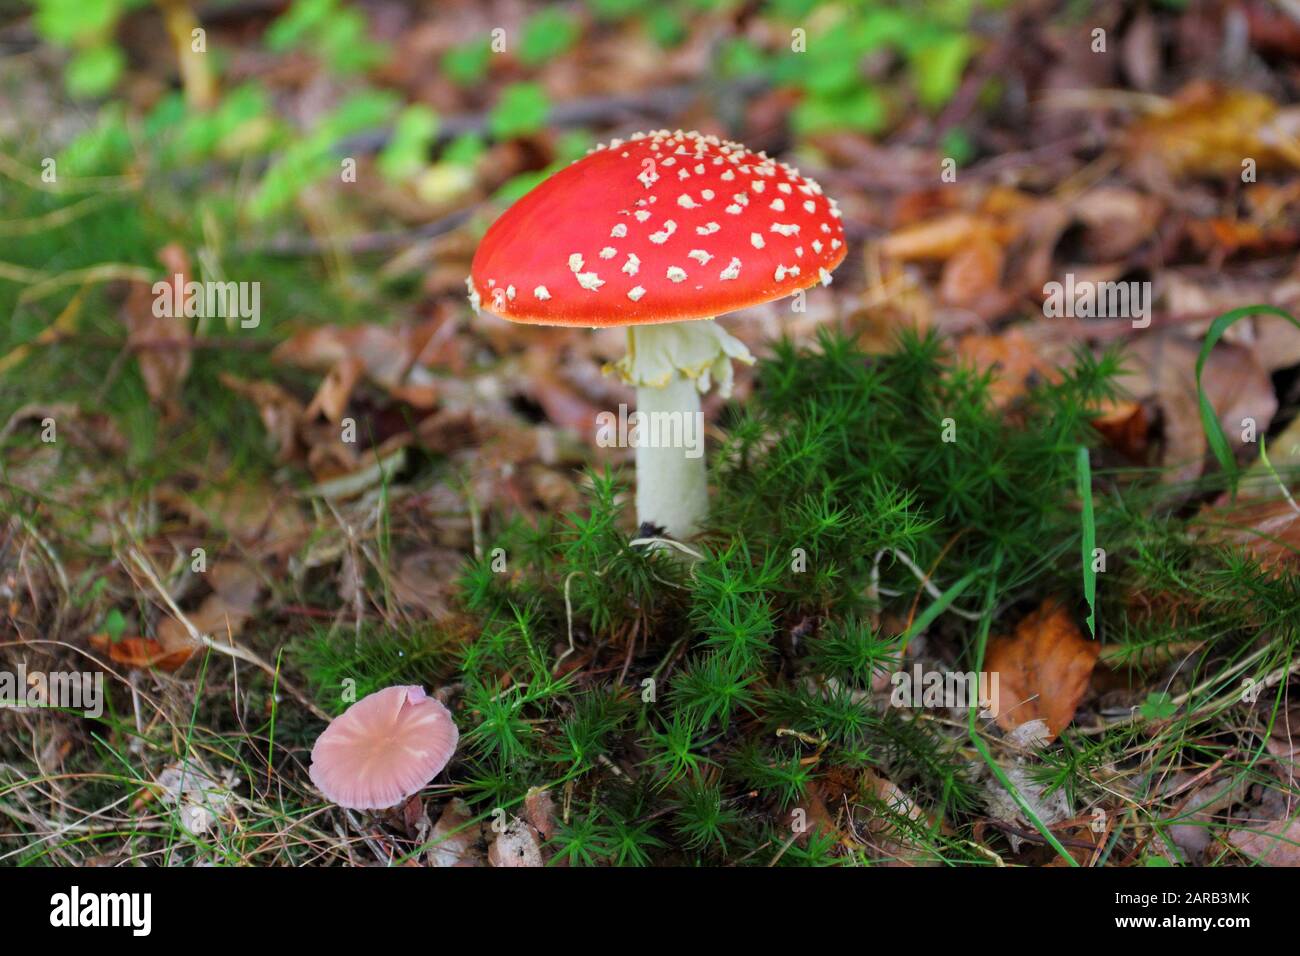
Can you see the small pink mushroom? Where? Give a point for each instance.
(383, 748)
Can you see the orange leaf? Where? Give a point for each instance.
(1043, 669)
(1124, 426)
(1016, 359)
(140, 652)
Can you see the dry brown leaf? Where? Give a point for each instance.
(161, 343)
(1269, 531)
(972, 272)
(1124, 426)
(1116, 221)
(1276, 843)
(280, 412)
(142, 652)
(394, 357)
(1015, 359)
(222, 614)
(1238, 387)
(1207, 131)
(939, 238)
(896, 844)
(1043, 669)
(454, 836)
(1284, 744)
(331, 398)
(261, 521)
(563, 404)
(1140, 51)
(812, 815)
(422, 583)
(516, 845)
(539, 808)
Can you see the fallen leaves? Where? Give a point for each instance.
(1049, 805)
(1162, 368)
(1015, 360)
(1207, 131)
(1276, 843)
(141, 652)
(237, 589)
(516, 845)
(1043, 669)
(263, 522)
(394, 357)
(1269, 531)
(161, 342)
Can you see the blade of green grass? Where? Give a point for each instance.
(982, 638)
(1209, 419)
(941, 604)
(1084, 471)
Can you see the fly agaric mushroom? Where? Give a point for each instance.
(383, 748)
(661, 233)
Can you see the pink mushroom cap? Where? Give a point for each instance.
(383, 748)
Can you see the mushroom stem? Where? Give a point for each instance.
(671, 364)
(672, 489)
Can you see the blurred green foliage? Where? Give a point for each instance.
(548, 34)
(467, 64)
(310, 158)
(521, 109)
(330, 30)
(413, 134)
(85, 27)
(856, 65)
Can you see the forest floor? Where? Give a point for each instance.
(942, 466)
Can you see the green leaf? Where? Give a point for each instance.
(956, 143)
(546, 35)
(114, 625)
(864, 110)
(103, 149)
(342, 42)
(573, 144)
(467, 64)
(336, 34)
(665, 27)
(66, 21)
(464, 149)
(937, 68)
(298, 23)
(94, 71)
(241, 122)
(941, 604)
(616, 9)
(407, 151)
(521, 110)
(790, 9)
(1158, 706)
(739, 57)
(1084, 472)
(362, 111)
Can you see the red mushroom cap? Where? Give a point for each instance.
(659, 228)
